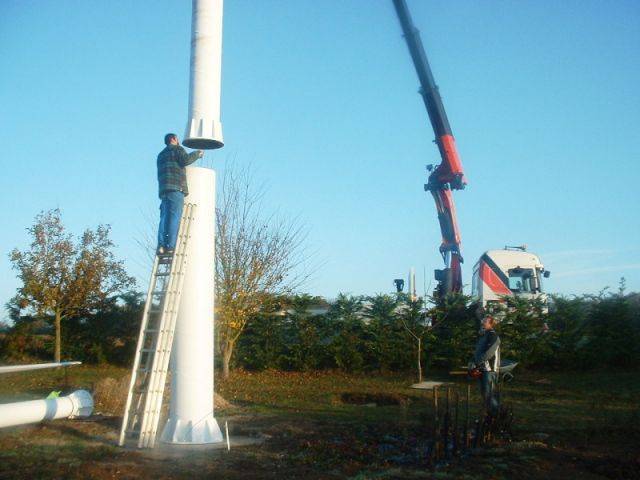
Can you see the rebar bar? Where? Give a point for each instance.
(436, 425)
(447, 424)
(456, 435)
(466, 420)
(476, 437)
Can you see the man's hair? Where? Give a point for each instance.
(168, 137)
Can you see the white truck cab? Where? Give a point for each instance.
(511, 271)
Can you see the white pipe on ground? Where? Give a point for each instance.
(204, 129)
(191, 419)
(35, 366)
(76, 404)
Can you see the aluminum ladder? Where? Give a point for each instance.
(149, 373)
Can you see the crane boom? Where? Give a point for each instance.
(446, 176)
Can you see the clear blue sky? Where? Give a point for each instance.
(321, 99)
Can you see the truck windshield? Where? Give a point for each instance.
(521, 280)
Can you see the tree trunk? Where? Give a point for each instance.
(56, 354)
(419, 360)
(227, 351)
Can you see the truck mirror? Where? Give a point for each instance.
(546, 274)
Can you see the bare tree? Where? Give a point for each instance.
(415, 321)
(257, 256)
(60, 277)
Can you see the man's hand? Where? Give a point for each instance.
(200, 153)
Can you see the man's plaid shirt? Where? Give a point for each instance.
(171, 173)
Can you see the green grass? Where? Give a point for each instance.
(567, 425)
(38, 383)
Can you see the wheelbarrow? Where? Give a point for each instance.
(506, 367)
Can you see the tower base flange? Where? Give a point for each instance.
(186, 432)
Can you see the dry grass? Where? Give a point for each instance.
(110, 395)
(567, 425)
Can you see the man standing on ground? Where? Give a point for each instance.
(172, 186)
(487, 359)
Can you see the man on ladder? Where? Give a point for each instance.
(151, 363)
(172, 186)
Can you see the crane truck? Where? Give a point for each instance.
(512, 271)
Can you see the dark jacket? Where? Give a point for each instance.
(487, 354)
(171, 173)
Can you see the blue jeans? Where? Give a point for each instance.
(170, 213)
(489, 392)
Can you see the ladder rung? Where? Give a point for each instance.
(140, 391)
(154, 350)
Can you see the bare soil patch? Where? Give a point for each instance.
(373, 399)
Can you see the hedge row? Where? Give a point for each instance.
(378, 333)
